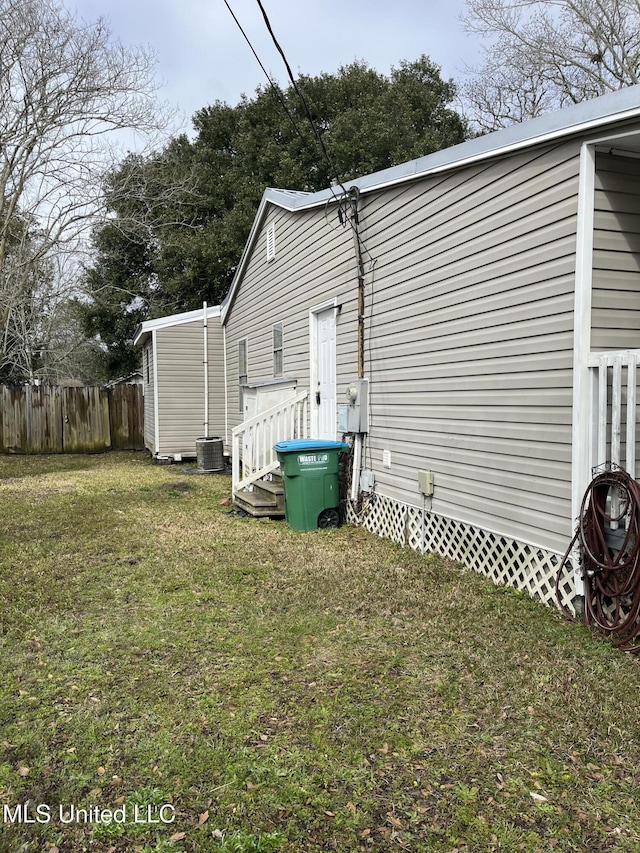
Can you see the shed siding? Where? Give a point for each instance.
(180, 355)
(471, 341)
(149, 396)
(616, 254)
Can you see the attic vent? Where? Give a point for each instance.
(271, 242)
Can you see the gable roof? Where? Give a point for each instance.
(587, 116)
(145, 330)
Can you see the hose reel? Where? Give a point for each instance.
(608, 539)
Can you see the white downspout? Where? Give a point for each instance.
(205, 334)
(582, 427)
(357, 463)
(156, 392)
(226, 391)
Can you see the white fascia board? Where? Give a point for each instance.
(144, 329)
(227, 302)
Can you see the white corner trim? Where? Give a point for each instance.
(156, 404)
(582, 415)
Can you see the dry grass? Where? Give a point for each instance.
(286, 691)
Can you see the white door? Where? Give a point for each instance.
(325, 391)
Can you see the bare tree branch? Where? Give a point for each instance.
(543, 54)
(70, 97)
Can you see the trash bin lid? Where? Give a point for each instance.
(295, 445)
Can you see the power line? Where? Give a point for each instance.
(350, 197)
(317, 134)
(347, 199)
(273, 85)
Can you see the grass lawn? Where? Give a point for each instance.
(176, 678)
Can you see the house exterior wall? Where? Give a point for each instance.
(180, 389)
(471, 342)
(314, 262)
(616, 254)
(469, 333)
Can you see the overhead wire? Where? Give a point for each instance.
(347, 194)
(348, 212)
(353, 220)
(272, 83)
(333, 172)
(318, 136)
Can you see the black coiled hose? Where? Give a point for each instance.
(610, 558)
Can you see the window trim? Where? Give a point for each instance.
(243, 355)
(278, 350)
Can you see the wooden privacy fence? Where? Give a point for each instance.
(54, 419)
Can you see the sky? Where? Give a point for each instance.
(202, 56)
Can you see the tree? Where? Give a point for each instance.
(545, 55)
(153, 202)
(180, 219)
(67, 93)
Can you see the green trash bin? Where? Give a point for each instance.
(310, 477)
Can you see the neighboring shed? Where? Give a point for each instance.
(183, 380)
(490, 295)
(134, 378)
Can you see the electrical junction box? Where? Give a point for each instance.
(367, 480)
(358, 406)
(343, 417)
(425, 482)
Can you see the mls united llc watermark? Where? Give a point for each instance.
(30, 812)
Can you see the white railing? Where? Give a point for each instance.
(252, 452)
(615, 398)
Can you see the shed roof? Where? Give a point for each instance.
(145, 330)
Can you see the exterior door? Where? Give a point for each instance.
(325, 391)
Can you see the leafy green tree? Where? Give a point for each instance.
(180, 219)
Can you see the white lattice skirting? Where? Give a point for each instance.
(505, 561)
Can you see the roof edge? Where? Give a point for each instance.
(613, 107)
(149, 326)
(588, 115)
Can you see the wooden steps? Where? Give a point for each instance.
(266, 499)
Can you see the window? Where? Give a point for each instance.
(278, 361)
(271, 242)
(147, 358)
(242, 372)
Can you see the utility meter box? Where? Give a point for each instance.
(358, 406)
(343, 417)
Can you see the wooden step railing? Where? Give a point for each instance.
(252, 452)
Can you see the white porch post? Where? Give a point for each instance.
(583, 389)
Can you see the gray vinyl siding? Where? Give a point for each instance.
(470, 341)
(149, 396)
(468, 332)
(616, 255)
(314, 262)
(180, 391)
